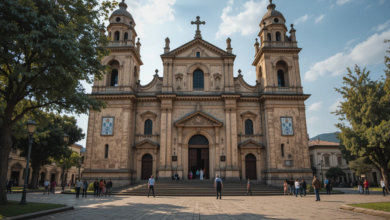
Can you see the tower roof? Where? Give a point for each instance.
(272, 12)
(122, 10)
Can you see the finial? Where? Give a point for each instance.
(156, 72)
(270, 1)
(292, 26)
(256, 40)
(138, 39)
(239, 72)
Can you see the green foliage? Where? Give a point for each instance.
(90, 187)
(360, 166)
(334, 172)
(68, 160)
(14, 208)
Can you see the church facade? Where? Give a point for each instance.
(198, 115)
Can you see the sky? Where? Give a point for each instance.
(333, 35)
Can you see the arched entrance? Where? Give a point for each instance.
(147, 167)
(250, 167)
(198, 154)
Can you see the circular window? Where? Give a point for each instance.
(276, 20)
(118, 19)
(131, 22)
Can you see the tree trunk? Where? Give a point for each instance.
(384, 170)
(35, 176)
(5, 149)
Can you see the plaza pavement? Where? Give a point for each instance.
(242, 207)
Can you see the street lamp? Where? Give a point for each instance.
(322, 175)
(31, 125)
(80, 163)
(66, 139)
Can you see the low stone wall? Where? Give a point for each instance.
(367, 211)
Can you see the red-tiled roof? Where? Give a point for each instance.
(322, 143)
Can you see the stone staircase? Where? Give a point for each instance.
(199, 188)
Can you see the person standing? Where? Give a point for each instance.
(248, 187)
(108, 187)
(297, 188)
(201, 174)
(360, 187)
(96, 188)
(85, 188)
(100, 186)
(303, 187)
(285, 186)
(46, 184)
(317, 187)
(291, 186)
(383, 185)
(327, 186)
(190, 175)
(151, 184)
(197, 174)
(366, 187)
(78, 187)
(218, 185)
(53, 187)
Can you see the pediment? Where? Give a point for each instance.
(148, 114)
(189, 50)
(248, 114)
(250, 144)
(146, 144)
(198, 119)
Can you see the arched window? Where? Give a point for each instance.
(281, 82)
(278, 36)
(114, 77)
(126, 36)
(282, 149)
(269, 36)
(116, 36)
(248, 127)
(106, 151)
(198, 81)
(197, 54)
(148, 127)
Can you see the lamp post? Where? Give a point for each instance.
(31, 125)
(66, 139)
(322, 175)
(79, 169)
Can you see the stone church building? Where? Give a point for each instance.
(198, 115)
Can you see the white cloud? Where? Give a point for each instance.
(312, 119)
(368, 52)
(335, 105)
(342, 2)
(315, 106)
(381, 27)
(302, 19)
(349, 43)
(381, 2)
(243, 22)
(319, 18)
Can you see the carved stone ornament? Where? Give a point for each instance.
(198, 107)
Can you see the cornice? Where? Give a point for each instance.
(230, 96)
(131, 49)
(274, 50)
(114, 96)
(198, 98)
(284, 97)
(166, 96)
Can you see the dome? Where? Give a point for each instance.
(272, 12)
(122, 10)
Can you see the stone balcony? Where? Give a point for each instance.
(245, 137)
(282, 90)
(111, 89)
(155, 138)
(279, 44)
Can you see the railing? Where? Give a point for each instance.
(275, 89)
(279, 44)
(120, 43)
(245, 137)
(151, 137)
(110, 88)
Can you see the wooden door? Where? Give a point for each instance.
(192, 161)
(147, 167)
(250, 167)
(205, 158)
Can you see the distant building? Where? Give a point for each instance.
(17, 166)
(330, 155)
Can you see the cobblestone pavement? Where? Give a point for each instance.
(267, 207)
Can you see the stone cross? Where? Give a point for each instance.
(198, 22)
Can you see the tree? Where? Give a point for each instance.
(365, 117)
(67, 160)
(49, 142)
(334, 172)
(360, 166)
(47, 47)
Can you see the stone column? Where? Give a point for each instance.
(226, 75)
(231, 81)
(217, 148)
(184, 148)
(270, 129)
(228, 136)
(169, 138)
(125, 143)
(163, 138)
(190, 84)
(179, 148)
(233, 136)
(165, 76)
(93, 126)
(206, 80)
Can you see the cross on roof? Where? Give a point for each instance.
(198, 22)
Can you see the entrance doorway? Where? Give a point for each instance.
(250, 167)
(53, 177)
(147, 167)
(198, 155)
(43, 179)
(15, 177)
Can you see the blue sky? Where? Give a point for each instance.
(333, 35)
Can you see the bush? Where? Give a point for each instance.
(90, 187)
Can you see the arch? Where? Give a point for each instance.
(281, 80)
(187, 138)
(196, 66)
(16, 166)
(148, 129)
(106, 149)
(248, 127)
(269, 37)
(198, 54)
(114, 77)
(147, 166)
(198, 80)
(126, 36)
(250, 167)
(116, 36)
(198, 140)
(198, 156)
(278, 36)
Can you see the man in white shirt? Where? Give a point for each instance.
(383, 185)
(78, 187)
(151, 183)
(297, 188)
(46, 184)
(218, 185)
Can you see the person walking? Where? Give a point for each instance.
(360, 187)
(85, 188)
(218, 185)
(53, 187)
(291, 183)
(317, 187)
(9, 186)
(248, 187)
(303, 187)
(327, 186)
(96, 188)
(366, 187)
(108, 187)
(197, 174)
(285, 186)
(383, 185)
(151, 184)
(46, 184)
(78, 187)
(297, 188)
